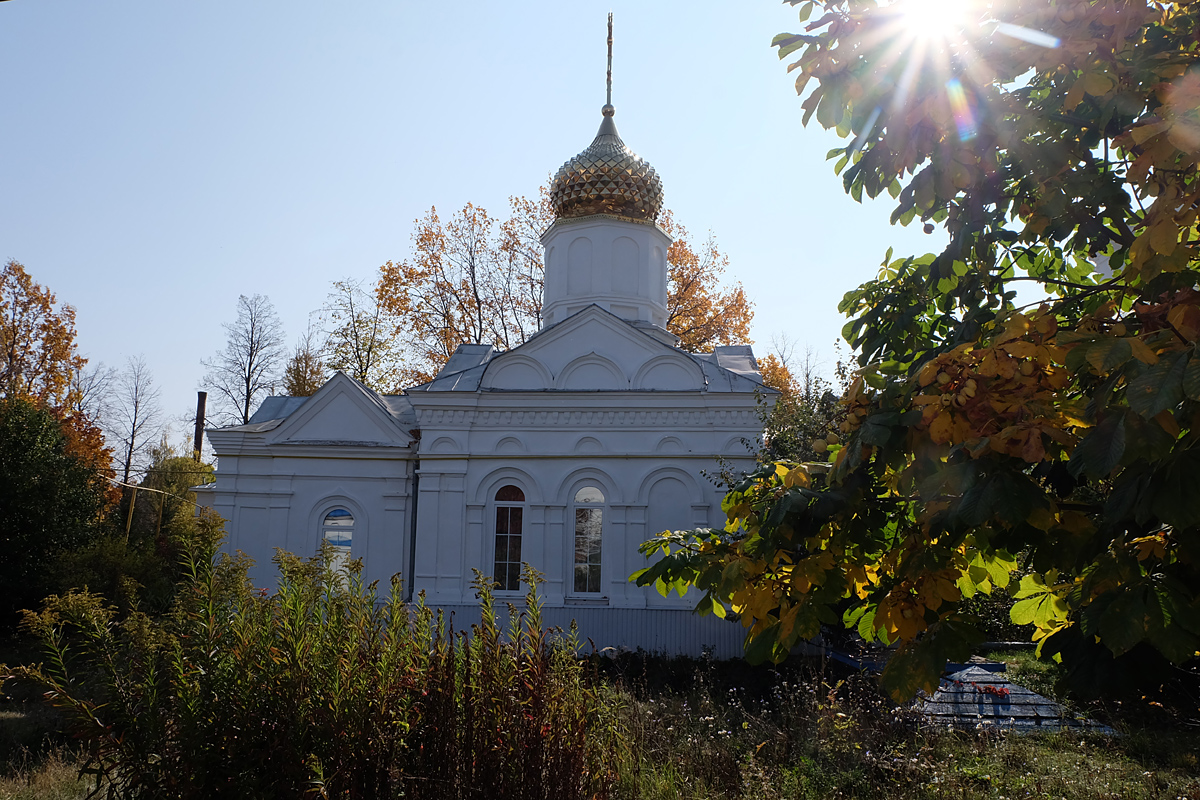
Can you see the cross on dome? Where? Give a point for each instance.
(607, 177)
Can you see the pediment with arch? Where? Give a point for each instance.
(594, 351)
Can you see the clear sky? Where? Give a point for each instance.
(158, 158)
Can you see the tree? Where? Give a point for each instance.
(470, 281)
(1058, 147)
(53, 495)
(305, 371)
(136, 413)
(39, 361)
(473, 280)
(360, 339)
(700, 311)
(90, 393)
(802, 422)
(248, 367)
(37, 341)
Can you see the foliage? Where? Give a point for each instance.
(305, 371)
(476, 280)
(471, 280)
(52, 497)
(37, 341)
(39, 361)
(359, 339)
(802, 422)
(1064, 430)
(320, 690)
(139, 568)
(700, 311)
(249, 364)
(720, 730)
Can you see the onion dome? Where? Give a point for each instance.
(607, 178)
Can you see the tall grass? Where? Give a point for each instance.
(322, 689)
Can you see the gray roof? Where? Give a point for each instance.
(275, 409)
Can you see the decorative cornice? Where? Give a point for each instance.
(699, 418)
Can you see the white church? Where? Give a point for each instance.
(565, 452)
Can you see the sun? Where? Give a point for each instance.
(932, 19)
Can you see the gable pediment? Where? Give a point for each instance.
(342, 412)
(594, 351)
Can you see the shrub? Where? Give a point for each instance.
(322, 690)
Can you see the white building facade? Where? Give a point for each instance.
(565, 452)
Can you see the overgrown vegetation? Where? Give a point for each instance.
(320, 690)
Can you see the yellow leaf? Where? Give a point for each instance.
(796, 477)
(1076, 522)
(1142, 351)
(1042, 519)
(1074, 96)
(1164, 236)
(941, 428)
(1143, 133)
(1186, 320)
(1097, 84)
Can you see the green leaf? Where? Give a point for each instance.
(1100, 451)
(1160, 387)
(1191, 378)
(1177, 489)
(1037, 604)
(1108, 354)
(1123, 624)
(806, 11)
(918, 665)
(760, 648)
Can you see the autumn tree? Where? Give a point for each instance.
(1057, 144)
(39, 362)
(473, 279)
(361, 337)
(700, 311)
(37, 341)
(305, 371)
(248, 366)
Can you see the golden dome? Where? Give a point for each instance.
(607, 178)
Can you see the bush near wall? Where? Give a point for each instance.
(321, 690)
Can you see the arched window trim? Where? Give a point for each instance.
(337, 528)
(588, 504)
(507, 537)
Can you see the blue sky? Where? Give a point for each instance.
(159, 158)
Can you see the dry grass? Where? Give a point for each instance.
(732, 731)
(52, 777)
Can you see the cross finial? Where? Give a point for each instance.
(608, 109)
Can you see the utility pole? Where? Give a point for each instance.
(198, 437)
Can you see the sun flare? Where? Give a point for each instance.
(933, 19)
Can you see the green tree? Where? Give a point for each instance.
(52, 499)
(1057, 144)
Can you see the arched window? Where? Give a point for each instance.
(589, 525)
(338, 531)
(509, 518)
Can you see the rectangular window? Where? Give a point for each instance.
(588, 524)
(507, 570)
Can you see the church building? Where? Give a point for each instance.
(565, 452)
